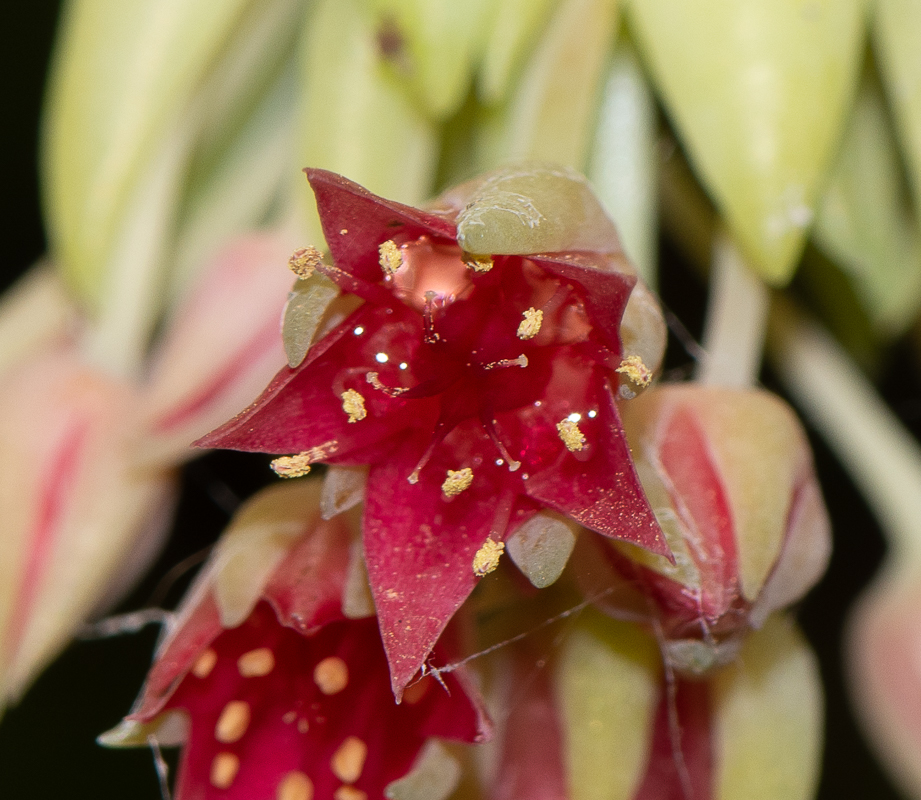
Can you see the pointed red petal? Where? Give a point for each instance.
(356, 221)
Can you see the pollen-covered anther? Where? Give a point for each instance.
(295, 786)
(331, 675)
(204, 664)
(487, 557)
(349, 760)
(478, 263)
(571, 435)
(224, 769)
(233, 722)
(353, 404)
(634, 368)
(530, 325)
(256, 663)
(391, 258)
(304, 261)
(521, 361)
(292, 466)
(349, 793)
(457, 481)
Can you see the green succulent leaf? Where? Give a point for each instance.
(864, 222)
(758, 92)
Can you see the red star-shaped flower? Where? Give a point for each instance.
(475, 379)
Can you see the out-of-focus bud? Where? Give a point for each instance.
(80, 519)
(597, 717)
(729, 476)
(275, 693)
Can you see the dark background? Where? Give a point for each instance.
(47, 748)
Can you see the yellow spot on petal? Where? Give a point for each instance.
(349, 793)
(353, 404)
(391, 257)
(456, 482)
(295, 786)
(349, 760)
(233, 722)
(256, 663)
(487, 557)
(634, 368)
(478, 263)
(571, 435)
(204, 664)
(331, 675)
(530, 325)
(291, 466)
(224, 769)
(304, 261)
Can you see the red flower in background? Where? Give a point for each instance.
(295, 702)
(478, 387)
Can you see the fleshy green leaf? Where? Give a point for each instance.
(864, 222)
(758, 92)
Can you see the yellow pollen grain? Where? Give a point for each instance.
(204, 664)
(233, 722)
(457, 481)
(291, 466)
(295, 786)
(349, 760)
(571, 435)
(331, 675)
(224, 769)
(256, 663)
(304, 261)
(349, 793)
(634, 368)
(391, 258)
(530, 325)
(353, 404)
(487, 557)
(478, 263)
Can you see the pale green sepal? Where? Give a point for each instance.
(622, 167)
(550, 115)
(607, 684)
(768, 717)
(307, 303)
(434, 776)
(896, 27)
(541, 547)
(533, 208)
(257, 539)
(759, 92)
(170, 729)
(516, 24)
(354, 119)
(864, 223)
(122, 75)
(432, 46)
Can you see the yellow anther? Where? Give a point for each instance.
(295, 786)
(303, 725)
(478, 263)
(331, 675)
(487, 557)
(256, 663)
(571, 435)
(634, 368)
(204, 664)
(304, 261)
(353, 404)
(224, 769)
(291, 466)
(457, 481)
(530, 325)
(349, 760)
(349, 793)
(233, 722)
(391, 258)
